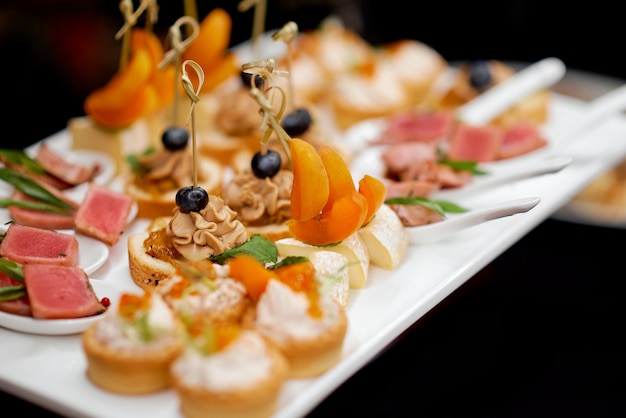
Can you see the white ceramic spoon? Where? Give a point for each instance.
(479, 111)
(507, 174)
(433, 232)
(500, 97)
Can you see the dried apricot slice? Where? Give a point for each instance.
(311, 187)
(375, 191)
(340, 178)
(252, 273)
(342, 220)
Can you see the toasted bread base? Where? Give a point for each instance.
(146, 271)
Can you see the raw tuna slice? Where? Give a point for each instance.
(62, 168)
(521, 138)
(25, 244)
(60, 292)
(475, 143)
(103, 213)
(19, 306)
(40, 219)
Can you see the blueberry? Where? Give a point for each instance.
(297, 122)
(265, 164)
(480, 74)
(175, 139)
(246, 77)
(191, 199)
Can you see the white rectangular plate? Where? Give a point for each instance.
(50, 370)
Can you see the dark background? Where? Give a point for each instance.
(537, 333)
(55, 52)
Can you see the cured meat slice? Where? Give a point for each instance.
(103, 213)
(521, 138)
(421, 126)
(60, 292)
(41, 219)
(62, 168)
(19, 306)
(25, 244)
(475, 143)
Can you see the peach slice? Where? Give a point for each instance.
(344, 218)
(375, 191)
(311, 187)
(341, 182)
(252, 273)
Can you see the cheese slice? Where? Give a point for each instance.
(117, 144)
(332, 273)
(353, 248)
(385, 238)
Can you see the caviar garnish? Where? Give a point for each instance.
(480, 74)
(106, 302)
(191, 199)
(297, 122)
(266, 164)
(175, 139)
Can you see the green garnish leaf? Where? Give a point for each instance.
(44, 207)
(439, 206)
(257, 246)
(19, 157)
(471, 166)
(33, 190)
(134, 163)
(12, 269)
(12, 292)
(288, 261)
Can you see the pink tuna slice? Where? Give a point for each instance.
(41, 219)
(25, 244)
(103, 213)
(19, 306)
(475, 143)
(417, 126)
(60, 292)
(60, 167)
(521, 138)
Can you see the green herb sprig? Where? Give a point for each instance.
(14, 271)
(439, 206)
(19, 157)
(44, 199)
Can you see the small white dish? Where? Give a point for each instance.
(454, 222)
(104, 176)
(92, 254)
(31, 325)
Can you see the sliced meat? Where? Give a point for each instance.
(409, 188)
(62, 168)
(475, 143)
(60, 292)
(41, 219)
(422, 126)
(399, 157)
(25, 244)
(416, 215)
(434, 172)
(19, 306)
(103, 214)
(521, 138)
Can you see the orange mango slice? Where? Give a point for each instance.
(344, 218)
(375, 191)
(311, 186)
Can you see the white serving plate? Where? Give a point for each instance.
(29, 325)
(50, 370)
